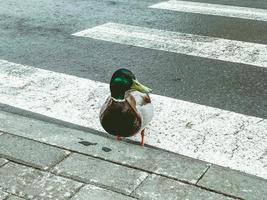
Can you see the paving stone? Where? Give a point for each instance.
(3, 195)
(31, 183)
(165, 163)
(152, 160)
(235, 183)
(161, 162)
(179, 167)
(3, 161)
(91, 192)
(33, 153)
(159, 188)
(99, 172)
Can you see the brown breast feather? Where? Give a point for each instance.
(120, 118)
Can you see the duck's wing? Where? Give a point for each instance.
(143, 106)
(104, 107)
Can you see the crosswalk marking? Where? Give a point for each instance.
(189, 44)
(213, 9)
(217, 136)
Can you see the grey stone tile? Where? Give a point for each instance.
(31, 183)
(152, 160)
(91, 192)
(3, 195)
(33, 153)
(3, 161)
(180, 167)
(148, 159)
(99, 172)
(235, 183)
(159, 188)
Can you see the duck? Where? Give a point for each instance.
(128, 108)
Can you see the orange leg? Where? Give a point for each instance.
(118, 138)
(142, 137)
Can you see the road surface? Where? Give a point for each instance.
(206, 65)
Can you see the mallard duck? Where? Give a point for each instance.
(128, 109)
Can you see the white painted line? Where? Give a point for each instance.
(217, 136)
(195, 45)
(213, 9)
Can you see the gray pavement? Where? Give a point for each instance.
(43, 160)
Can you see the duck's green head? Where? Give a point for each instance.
(123, 80)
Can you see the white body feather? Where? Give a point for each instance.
(146, 111)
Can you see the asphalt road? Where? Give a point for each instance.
(38, 33)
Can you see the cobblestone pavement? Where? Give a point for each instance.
(42, 160)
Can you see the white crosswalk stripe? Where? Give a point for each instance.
(217, 136)
(213, 9)
(189, 44)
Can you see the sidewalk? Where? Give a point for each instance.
(41, 160)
